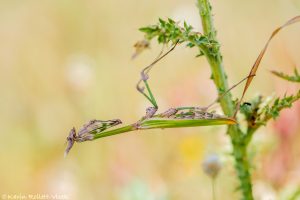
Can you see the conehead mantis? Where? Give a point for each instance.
(172, 118)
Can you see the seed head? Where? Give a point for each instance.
(212, 165)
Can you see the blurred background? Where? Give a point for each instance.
(64, 62)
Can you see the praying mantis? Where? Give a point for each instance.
(172, 118)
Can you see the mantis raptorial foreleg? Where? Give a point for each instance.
(144, 78)
(226, 92)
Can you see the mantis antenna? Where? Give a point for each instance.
(145, 76)
(226, 92)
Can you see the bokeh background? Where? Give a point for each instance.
(64, 62)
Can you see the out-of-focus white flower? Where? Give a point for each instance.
(212, 165)
(79, 72)
(263, 191)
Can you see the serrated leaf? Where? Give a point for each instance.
(185, 25)
(200, 54)
(292, 78)
(279, 104)
(145, 29)
(161, 39)
(171, 21)
(162, 22)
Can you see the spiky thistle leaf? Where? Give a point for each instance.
(292, 78)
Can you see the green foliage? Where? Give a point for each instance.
(258, 112)
(169, 31)
(292, 78)
(272, 111)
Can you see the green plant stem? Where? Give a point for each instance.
(251, 130)
(213, 188)
(220, 79)
(215, 60)
(242, 167)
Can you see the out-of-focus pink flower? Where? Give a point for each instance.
(288, 122)
(278, 165)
